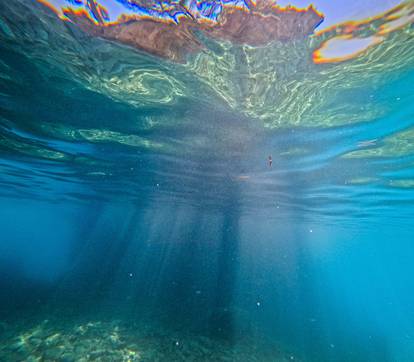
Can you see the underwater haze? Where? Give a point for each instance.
(206, 181)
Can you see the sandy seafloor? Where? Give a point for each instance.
(70, 339)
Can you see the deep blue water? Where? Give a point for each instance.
(136, 200)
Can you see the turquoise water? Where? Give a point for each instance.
(141, 219)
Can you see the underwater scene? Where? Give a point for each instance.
(207, 180)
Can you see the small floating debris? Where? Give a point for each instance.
(368, 143)
(243, 177)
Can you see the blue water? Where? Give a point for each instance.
(140, 219)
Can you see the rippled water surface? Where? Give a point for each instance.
(142, 219)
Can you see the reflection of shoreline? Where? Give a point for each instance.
(168, 30)
(261, 24)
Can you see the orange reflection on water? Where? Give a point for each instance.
(51, 7)
(351, 39)
(343, 47)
